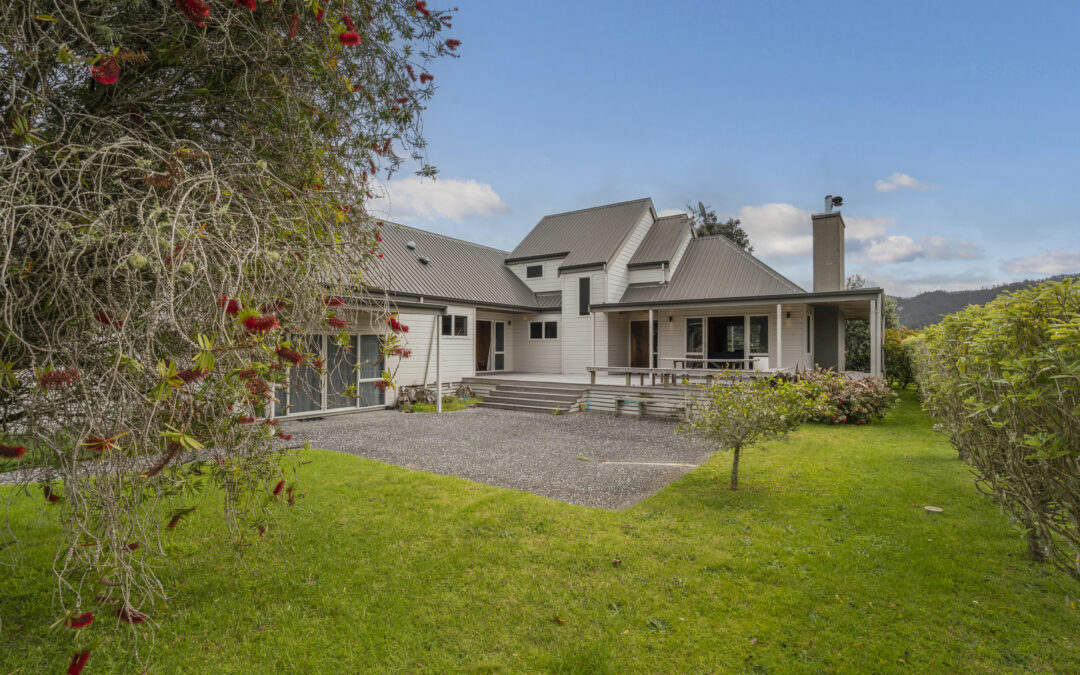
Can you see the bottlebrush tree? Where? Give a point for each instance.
(182, 187)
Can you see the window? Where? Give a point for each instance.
(695, 336)
(734, 337)
(759, 335)
(534, 271)
(584, 296)
(809, 333)
(543, 330)
(453, 324)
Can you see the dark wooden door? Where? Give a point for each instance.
(483, 345)
(639, 344)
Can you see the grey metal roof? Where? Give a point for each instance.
(714, 267)
(549, 300)
(456, 269)
(662, 241)
(586, 237)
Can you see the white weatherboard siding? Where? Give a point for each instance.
(644, 275)
(508, 347)
(577, 331)
(550, 281)
(458, 357)
(536, 356)
(618, 276)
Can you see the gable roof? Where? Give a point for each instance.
(456, 270)
(662, 241)
(714, 267)
(586, 237)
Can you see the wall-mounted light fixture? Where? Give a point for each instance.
(670, 318)
(789, 315)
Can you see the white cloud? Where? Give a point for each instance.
(901, 180)
(672, 212)
(940, 248)
(893, 249)
(785, 230)
(413, 198)
(1048, 263)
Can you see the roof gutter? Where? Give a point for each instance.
(837, 296)
(532, 258)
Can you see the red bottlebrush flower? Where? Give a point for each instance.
(194, 11)
(453, 44)
(261, 324)
(402, 99)
(349, 38)
(247, 4)
(347, 20)
(12, 451)
(396, 325)
(378, 223)
(106, 320)
(346, 208)
(231, 306)
(378, 237)
(425, 78)
(318, 363)
(381, 385)
(286, 354)
(421, 6)
(292, 497)
(50, 496)
(130, 615)
(319, 13)
(270, 423)
(334, 301)
(446, 20)
(386, 146)
(80, 620)
(105, 71)
(58, 378)
(284, 436)
(246, 419)
(294, 25)
(279, 487)
(401, 351)
(78, 662)
(176, 516)
(134, 546)
(380, 255)
(371, 165)
(412, 73)
(335, 322)
(192, 375)
(100, 444)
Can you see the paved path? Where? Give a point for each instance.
(628, 459)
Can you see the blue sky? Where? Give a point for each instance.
(952, 129)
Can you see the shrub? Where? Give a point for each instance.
(836, 399)
(899, 358)
(734, 415)
(1004, 381)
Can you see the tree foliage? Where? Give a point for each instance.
(857, 331)
(1004, 381)
(182, 188)
(733, 415)
(707, 223)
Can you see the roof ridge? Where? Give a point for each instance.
(751, 256)
(445, 236)
(594, 208)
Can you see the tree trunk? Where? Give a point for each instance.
(735, 469)
(1038, 548)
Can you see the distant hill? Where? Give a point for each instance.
(927, 308)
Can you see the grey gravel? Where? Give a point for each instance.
(558, 456)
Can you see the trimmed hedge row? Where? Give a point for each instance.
(1003, 379)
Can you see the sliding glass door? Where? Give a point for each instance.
(345, 379)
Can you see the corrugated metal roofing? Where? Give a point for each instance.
(456, 269)
(663, 240)
(549, 300)
(586, 237)
(714, 267)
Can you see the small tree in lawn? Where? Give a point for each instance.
(732, 416)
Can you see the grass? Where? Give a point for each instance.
(823, 561)
(450, 404)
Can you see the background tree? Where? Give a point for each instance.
(707, 223)
(182, 187)
(733, 415)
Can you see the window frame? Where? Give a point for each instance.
(450, 322)
(544, 325)
(750, 332)
(538, 269)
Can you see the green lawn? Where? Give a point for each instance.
(823, 561)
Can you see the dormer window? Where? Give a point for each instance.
(534, 271)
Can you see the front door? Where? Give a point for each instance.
(639, 344)
(499, 348)
(483, 346)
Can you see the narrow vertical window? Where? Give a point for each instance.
(584, 296)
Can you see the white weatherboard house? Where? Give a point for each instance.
(534, 327)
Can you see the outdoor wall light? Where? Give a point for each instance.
(670, 318)
(789, 315)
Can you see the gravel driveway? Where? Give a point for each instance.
(627, 459)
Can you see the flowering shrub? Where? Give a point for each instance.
(1003, 380)
(190, 177)
(836, 399)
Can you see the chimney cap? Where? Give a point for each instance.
(832, 202)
